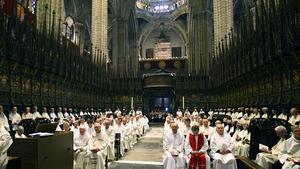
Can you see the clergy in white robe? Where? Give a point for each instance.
(27, 114)
(133, 133)
(20, 132)
(110, 132)
(179, 112)
(145, 122)
(196, 146)
(267, 157)
(5, 142)
(60, 115)
(97, 149)
(45, 113)
(195, 112)
(139, 126)
(206, 129)
(119, 128)
(35, 113)
(90, 128)
(173, 149)
(221, 149)
(255, 114)
(187, 112)
(52, 114)
(139, 112)
(81, 142)
(295, 117)
(66, 113)
(264, 112)
(126, 133)
(241, 141)
(3, 119)
(15, 118)
(185, 129)
(282, 116)
(290, 154)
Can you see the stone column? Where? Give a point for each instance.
(99, 26)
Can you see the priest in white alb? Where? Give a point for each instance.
(267, 157)
(110, 132)
(3, 119)
(81, 143)
(97, 150)
(27, 114)
(119, 128)
(45, 113)
(196, 146)
(206, 129)
(5, 142)
(173, 146)
(221, 149)
(241, 140)
(290, 154)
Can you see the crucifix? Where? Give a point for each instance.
(2, 4)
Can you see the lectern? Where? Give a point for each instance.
(52, 152)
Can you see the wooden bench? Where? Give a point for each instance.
(246, 163)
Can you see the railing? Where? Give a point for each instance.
(159, 59)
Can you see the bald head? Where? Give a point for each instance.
(220, 129)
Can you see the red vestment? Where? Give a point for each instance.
(198, 157)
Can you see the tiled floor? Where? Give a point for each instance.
(147, 153)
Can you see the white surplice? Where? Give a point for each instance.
(36, 115)
(97, 160)
(4, 121)
(110, 132)
(291, 148)
(5, 142)
(173, 144)
(222, 142)
(120, 129)
(45, 115)
(81, 145)
(207, 131)
(282, 116)
(241, 149)
(27, 116)
(53, 115)
(15, 118)
(267, 160)
(20, 136)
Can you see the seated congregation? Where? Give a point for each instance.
(232, 138)
(97, 137)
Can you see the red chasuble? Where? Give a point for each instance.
(199, 157)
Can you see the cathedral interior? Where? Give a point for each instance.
(152, 55)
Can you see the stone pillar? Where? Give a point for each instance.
(99, 26)
(199, 33)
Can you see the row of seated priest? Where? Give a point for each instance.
(192, 141)
(97, 140)
(59, 113)
(245, 113)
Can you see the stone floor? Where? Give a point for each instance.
(146, 154)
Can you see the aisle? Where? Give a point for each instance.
(147, 153)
